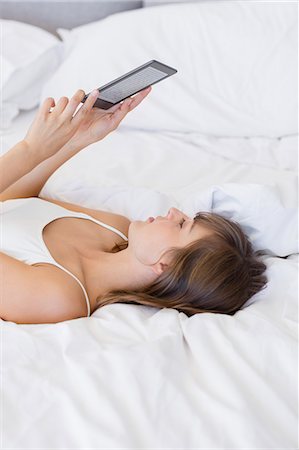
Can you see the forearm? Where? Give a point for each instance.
(16, 163)
(26, 176)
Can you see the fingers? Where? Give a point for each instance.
(128, 105)
(90, 101)
(61, 105)
(67, 108)
(72, 105)
(139, 97)
(86, 107)
(134, 100)
(114, 108)
(124, 107)
(45, 107)
(121, 112)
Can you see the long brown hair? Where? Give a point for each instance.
(218, 273)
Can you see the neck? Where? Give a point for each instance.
(114, 271)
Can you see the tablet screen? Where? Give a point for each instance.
(130, 84)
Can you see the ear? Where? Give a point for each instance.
(159, 267)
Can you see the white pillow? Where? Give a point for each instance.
(257, 208)
(29, 56)
(236, 62)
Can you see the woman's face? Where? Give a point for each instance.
(149, 239)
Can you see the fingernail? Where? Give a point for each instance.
(95, 93)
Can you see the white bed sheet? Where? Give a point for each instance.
(136, 377)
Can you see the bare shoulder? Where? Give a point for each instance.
(118, 221)
(38, 294)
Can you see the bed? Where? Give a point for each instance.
(135, 377)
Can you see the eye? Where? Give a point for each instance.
(182, 222)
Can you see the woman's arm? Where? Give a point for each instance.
(48, 133)
(15, 164)
(54, 137)
(30, 175)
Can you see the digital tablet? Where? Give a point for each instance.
(132, 82)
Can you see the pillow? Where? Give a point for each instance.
(29, 55)
(231, 59)
(256, 208)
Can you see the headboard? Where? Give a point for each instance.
(50, 15)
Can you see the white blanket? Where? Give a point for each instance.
(138, 377)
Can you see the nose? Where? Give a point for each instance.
(173, 212)
(176, 214)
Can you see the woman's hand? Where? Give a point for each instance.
(51, 130)
(97, 123)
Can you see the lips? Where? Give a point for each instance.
(150, 219)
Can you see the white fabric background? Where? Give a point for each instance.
(28, 56)
(231, 59)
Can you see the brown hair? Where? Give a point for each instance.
(218, 273)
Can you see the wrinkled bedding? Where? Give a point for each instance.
(139, 377)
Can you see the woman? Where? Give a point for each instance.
(61, 261)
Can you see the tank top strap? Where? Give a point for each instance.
(109, 227)
(83, 288)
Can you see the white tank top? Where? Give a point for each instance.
(22, 224)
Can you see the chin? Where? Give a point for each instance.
(137, 229)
